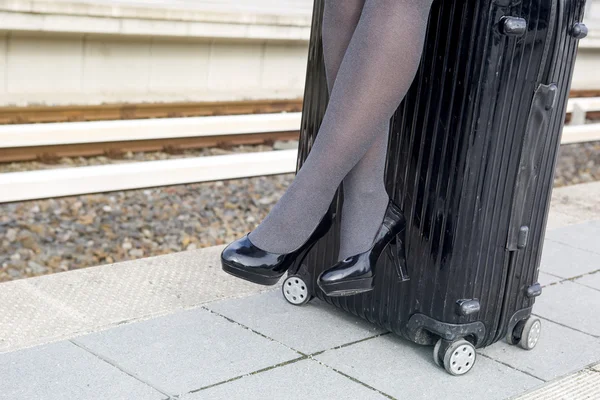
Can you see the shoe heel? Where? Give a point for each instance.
(396, 254)
(299, 260)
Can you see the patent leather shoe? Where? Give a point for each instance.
(356, 274)
(245, 260)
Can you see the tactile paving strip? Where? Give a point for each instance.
(584, 385)
(42, 310)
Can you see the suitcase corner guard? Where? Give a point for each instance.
(420, 328)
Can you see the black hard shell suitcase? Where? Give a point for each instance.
(470, 161)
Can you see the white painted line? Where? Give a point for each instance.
(581, 133)
(29, 185)
(27, 135)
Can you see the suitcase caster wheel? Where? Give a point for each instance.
(436, 354)
(526, 333)
(295, 290)
(511, 338)
(531, 333)
(457, 359)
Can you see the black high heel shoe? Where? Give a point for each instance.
(244, 260)
(356, 274)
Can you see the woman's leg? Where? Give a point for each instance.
(365, 198)
(376, 72)
(340, 18)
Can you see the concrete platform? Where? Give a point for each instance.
(177, 327)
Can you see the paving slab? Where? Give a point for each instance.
(590, 280)
(567, 262)
(186, 351)
(302, 380)
(581, 236)
(574, 204)
(545, 279)
(64, 371)
(559, 351)
(405, 370)
(311, 328)
(572, 305)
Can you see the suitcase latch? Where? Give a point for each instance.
(579, 30)
(513, 26)
(534, 290)
(467, 307)
(523, 236)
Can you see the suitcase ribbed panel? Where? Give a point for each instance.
(454, 157)
(506, 121)
(560, 72)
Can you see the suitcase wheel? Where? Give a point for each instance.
(457, 358)
(526, 333)
(436, 354)
(531, 333)
(296, 290)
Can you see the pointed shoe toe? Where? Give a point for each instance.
(244, 260)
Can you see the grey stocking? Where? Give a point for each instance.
(365, 197)
(377, 69)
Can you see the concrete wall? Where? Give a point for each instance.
(54, 69)
(71, 52)
(586, 75)
(113, 51)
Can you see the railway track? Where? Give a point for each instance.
(49, 142)
(49, 153)
(104, 112)
(115, 149)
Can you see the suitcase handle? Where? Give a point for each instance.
(513, 26)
